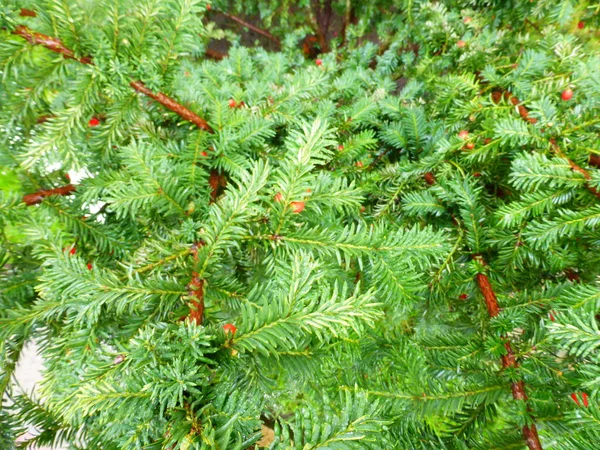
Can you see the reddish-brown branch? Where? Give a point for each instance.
(213, 54)
(594, 160)
(523, 111)
(196, 293)
(171, 104)
(575, 168)
(49, 42)
(488, 294)
(429, 178)
(27, 13)
(530, 433)
(252, 27)
(57, 46)
(37, 197)
(217, 182)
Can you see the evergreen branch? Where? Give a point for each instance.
(252, 27)
(196, 292)
(49, 42)
(37, 197)
(171, 104)
(530, 433)
(57, 46)
(576, 168)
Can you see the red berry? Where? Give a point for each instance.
(68, 177)
(359, 164)
(584, 396)
(575, 399)
(476, 174)
(229, 328)
(552, 318)
(232, 103)
(208, 7)
(463, 296)
(362, 209)
(467, 20)
(319, 62)
(461, 44)
(203, 154)
(567, 94)
(93, 122)
(89, 266)
(340, 148)
(297, 207)
(581, 25)
(470, 145)
(486, 141)
(463, 134)
(72, 251)
(309, 190)
(278, 197)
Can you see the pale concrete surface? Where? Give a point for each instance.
(28, 374)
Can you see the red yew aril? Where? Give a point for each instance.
(297, 207)
(575, 399)
(584, 396)
(229, 328)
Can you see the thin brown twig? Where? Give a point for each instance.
(37, 197)
(575, 168)
(213, 54)
(171, 104)
(530, 433)
(196, 293)
(57, 46)
(252, 27)
(524, 113)
(49, 42)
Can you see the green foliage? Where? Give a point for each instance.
(308, 276)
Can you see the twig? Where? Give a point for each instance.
(524, 113)
(594, 160)
(530, 433)
(171, 104)
(213, 54)
(252, 27)
(196, 292)
(57, 46)
(429, 178)
(27, 13)
(37, 197)
(575, 168)
(49, 42)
